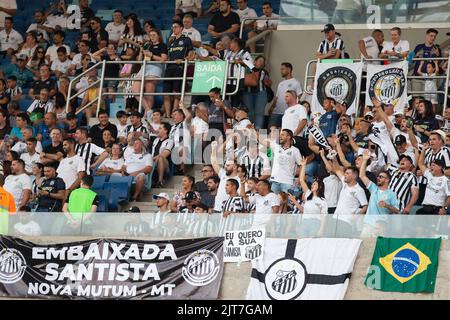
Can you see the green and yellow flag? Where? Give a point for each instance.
(404, 265)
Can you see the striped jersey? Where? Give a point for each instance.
(401, 183)
(234, 204)
(443, 154)
(87, 152)
(255, 166)
(326, 46)
(233, 70)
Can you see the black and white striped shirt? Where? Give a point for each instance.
(326, 46)
(177, 133)
(233, 71)
(234, 204)
(402, 183)
(87, 152)
(135, 38)
(251, 207)
(443, 154)
(256, 166)
(159, 146)
(131, 128)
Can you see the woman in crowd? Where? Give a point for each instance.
(187, 185)
(114, 163)
(425, 121)
(132, 35)
(37, 60)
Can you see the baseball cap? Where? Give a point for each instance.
(191, 195)
(400, 139)
(410, 158)
(136, 113)
(439, 162)
(70, 116)
(22, 57)
(161, 195)
(398, 112)
(134, 209)
(328, 27)
(242, 108)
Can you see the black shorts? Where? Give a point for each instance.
(173, 85)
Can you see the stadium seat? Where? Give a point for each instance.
(103, 196)
(119, 190)
(99, 181)
(25, 103)
(114, 107)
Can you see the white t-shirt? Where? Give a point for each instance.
(57, 20)
(57, 65)
(16, 184)
(34, 27)
(240, 125)
(77, 60)
(21, 147)
(68, 169)
(191, 33)
(246, 13)
(437, 191)
(12, 41)
(401, 46)
(269, 23)
(264, 204)
(31, 228)
(121, 130)
(7, 4)
(136, 162)
(221, 193)
(51, 51)
(333, 187)
(371, 47)
(113, 164)
(315, 206)
(30, 160)
(200, 125)
(292, 116)
(350, 199)
(115, 31)
(285, 162)
(283, 86)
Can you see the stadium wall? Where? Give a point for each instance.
(300, 46)
(236, 277)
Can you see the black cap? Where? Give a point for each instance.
(70, 116)
(328, 27)
(439, 162)
(191, 195)
(405, 156)
(134, 209)
(400, 139)
(242, 108)
(136, 113)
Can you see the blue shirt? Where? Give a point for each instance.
(16, 131)
(328, 123)
(377, 195)
(24, 77)
(43, 129)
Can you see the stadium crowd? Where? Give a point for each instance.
(293, 161)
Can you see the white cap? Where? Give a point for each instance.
(161, 195)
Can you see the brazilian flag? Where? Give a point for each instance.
(404, 265)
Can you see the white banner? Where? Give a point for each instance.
(339, 81)
(246, 245)
(303, 269)
(388, 84)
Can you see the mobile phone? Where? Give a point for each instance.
(295, 192)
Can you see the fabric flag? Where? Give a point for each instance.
(388, 84)
(404, 265)
(340, 81)
(303, 269)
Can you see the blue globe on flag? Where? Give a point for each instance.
(405, 263)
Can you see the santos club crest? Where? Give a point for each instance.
(201, 268)
(338, 83)
(12, 266)
(388, 85)
(285, 279)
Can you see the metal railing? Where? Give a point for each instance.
(102, 64)
(241, 30)
(309, 77)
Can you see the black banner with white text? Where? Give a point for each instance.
(112, 269)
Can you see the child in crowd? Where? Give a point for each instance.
(122, 126)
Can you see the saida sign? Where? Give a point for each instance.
(208, 75)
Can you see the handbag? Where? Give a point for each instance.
(251, 79)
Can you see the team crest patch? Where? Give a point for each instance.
(388, 85)
(12, 266)
(285, 279)
(201, 268)
(338, 83)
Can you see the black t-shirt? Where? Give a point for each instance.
(208, 199)
(86, 15)
(53, 186)
(96, 134)
(97, 37)
(222, 23)
(111, 70)
(179, 49)
(48, 84)
(362, 140)
(4, 131)
(156, 49)
(54, 150)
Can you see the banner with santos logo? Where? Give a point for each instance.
(112, 269)
(303, 269)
